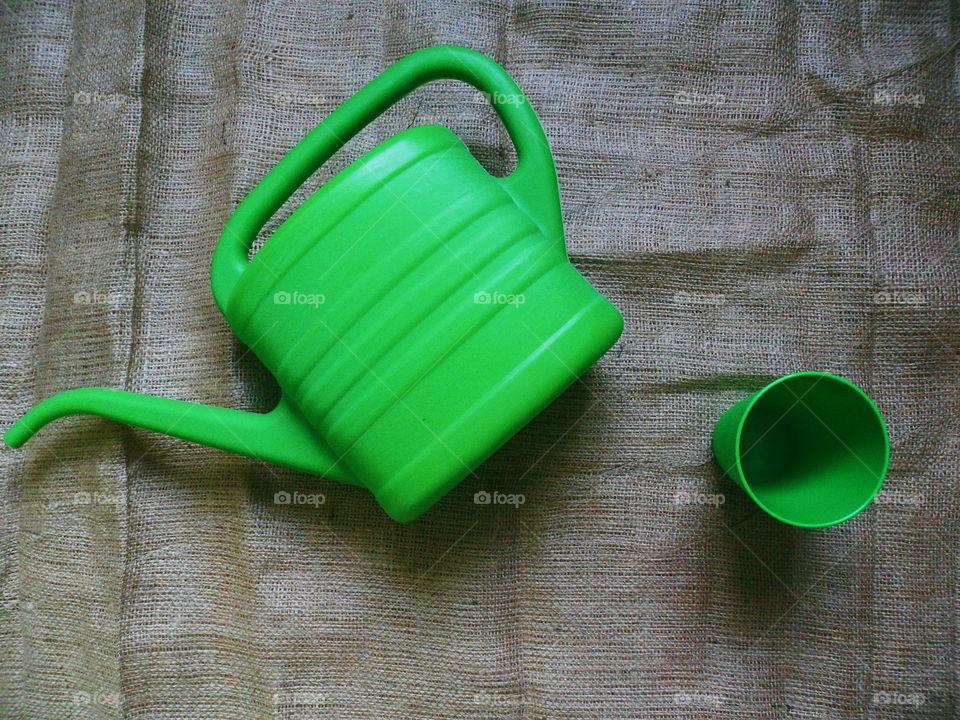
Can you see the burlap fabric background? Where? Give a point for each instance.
(760, 189)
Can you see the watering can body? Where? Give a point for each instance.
(415, 310)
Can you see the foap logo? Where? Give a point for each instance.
(485, 497)
(299, 697)
(899, 297)
(96, 498)
(84, 297)
(688, 297)
(685, 497)
(498, 298)
(82, 97)
(282, 297)
(699, 699)
(489, 699)
(293, 98)
(886, 97)
(898, 497)
(104, 699)
(84, 498)
(898, 698)
(499, 98)
(688, 97)
(298, 498)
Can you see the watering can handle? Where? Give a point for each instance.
(533, 183)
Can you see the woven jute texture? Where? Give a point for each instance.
(761, 188)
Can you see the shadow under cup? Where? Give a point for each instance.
(811, 449)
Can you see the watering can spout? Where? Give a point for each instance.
(280, 436)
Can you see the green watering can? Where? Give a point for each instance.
(416, 311)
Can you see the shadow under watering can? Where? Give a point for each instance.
(416, 311)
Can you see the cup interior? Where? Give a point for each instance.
(813, 449)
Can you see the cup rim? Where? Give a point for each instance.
(881, 476)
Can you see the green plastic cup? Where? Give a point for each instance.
(811, 448)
